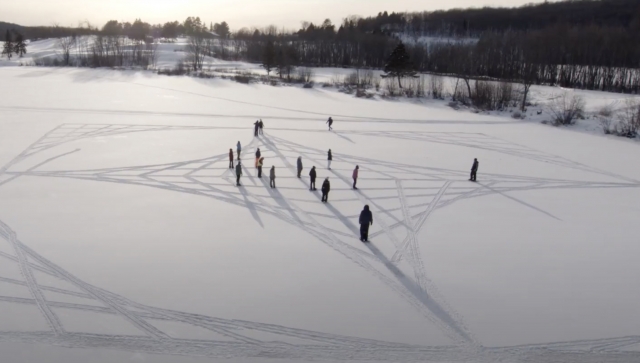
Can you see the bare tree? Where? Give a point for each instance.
(528, 77)
(65, 45)
(196, 50)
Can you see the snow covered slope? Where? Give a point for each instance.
(123, 236)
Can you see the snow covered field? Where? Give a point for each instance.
(170, 54)
(123, 237)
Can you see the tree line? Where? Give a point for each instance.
(591, 44)
(590, 57)
(141, 30)
(475, 21)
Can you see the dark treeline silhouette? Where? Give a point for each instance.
(605, 13)
(47, 32)
(582, 57)
(11, 27)
(582, 49)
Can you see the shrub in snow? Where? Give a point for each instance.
(493, 95)
(516, 115)
(179, 70)
(436, 86)
(455, 105)
(605, 123)
(391, 88)
(242, 79)
(308, 85)
(565, 109)
(304, 75)
(629, 119)
(606, 111)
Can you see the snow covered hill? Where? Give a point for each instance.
(124, 238)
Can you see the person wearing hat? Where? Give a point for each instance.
(366, 220)
(474, 170)
(272, 177)
(312, 177)
(326, 187)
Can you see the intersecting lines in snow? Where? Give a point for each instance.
(403, 196)
(485, 142)
(154, 330)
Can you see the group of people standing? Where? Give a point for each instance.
(366, 217)
(259, 163)
(326, 185)
(258, 128)
(313, 174)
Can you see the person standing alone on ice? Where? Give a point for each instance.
(258, 155)
(272, 177)
(230, 158)
(313, 175)
(260, 163)
(330, 123)
(238, 173)
(299, 166)
(329, 159)
(239, 149)
(474, 170)
(355, 176)
(366, 220)
(326, 188)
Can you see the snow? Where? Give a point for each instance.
(123, 237)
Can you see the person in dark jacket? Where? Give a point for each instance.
(258, 155)
(326, 188)
(313, 175)
(474, 170)
(299, 166)
(261, 125)
(366, 220)
(230, 158)
(330, 123)
(256, 126)
(239, 148)
(260, 164)
(329, 159)
(272, 177)
(238, 173)
(355, 176)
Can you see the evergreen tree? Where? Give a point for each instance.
(222, 29)
(20, 47)
(399, 65)
(8, 45)
(269, 57)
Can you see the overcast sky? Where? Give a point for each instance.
(238, 13)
